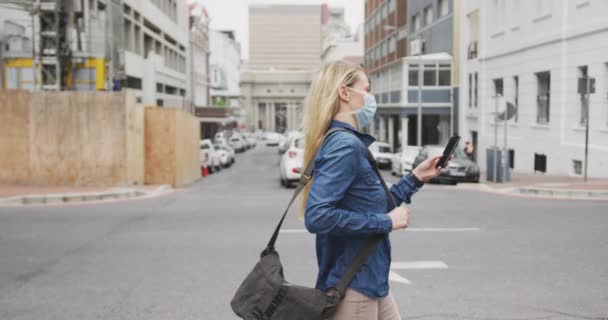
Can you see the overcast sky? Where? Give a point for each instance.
(233, 15)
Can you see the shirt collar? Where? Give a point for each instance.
(364, 137)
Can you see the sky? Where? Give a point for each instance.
(233, 15)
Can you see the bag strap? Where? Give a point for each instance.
(304, 178)
(368, 247)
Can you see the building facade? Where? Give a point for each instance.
(337, 42)
(409, 63)
(531, 55)
(198, 58)
(102, 45)
(277, 77)
(225, 64)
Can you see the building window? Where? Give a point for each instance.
(443, 8)
(516, 96)
(475, 92)
(391, 5)
(413, 75)
(498, 87)
(428, 15)
(430, 75)
(444, 75)
(543, 103)
(416, 22)
(584, 108)
(392, 44)
(384, 11)
(470, 90)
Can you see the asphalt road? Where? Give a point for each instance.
(468, 255)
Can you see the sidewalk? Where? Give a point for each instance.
(541, 185)
(12, 195)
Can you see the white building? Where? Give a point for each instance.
(338, 43)
(198, 90)
(533, 53)
(285, 50)
(156, 42)
(225, 66)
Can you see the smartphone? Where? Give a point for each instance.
(448, 151)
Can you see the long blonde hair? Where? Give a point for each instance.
(320, 106)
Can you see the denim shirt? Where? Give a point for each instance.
(346, 204)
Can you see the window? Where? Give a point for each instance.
(392, 44)
(391, 5)
(543, 103)
(470, 90)
(516, 96)
(428, 15)
(443, 8)
(430, 75)
(475, 92)
(444, 75)
(416, 22)
(384, 11)
(413, 75)
(584, 107)
(498, 87)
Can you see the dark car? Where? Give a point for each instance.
(459, 169)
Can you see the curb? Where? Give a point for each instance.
(568, 193)
(68, 198)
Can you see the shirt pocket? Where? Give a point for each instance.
(373, 186)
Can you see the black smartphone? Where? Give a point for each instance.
(448, 151)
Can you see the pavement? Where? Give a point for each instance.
(467, 255)
(14, 195)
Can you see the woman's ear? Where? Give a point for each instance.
(343, 93)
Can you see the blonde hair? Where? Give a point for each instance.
(320, 106)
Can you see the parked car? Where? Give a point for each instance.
(383, 154)
(251, 141)
(209, 156)
(226, 154)
(290, 166)
(403, 160)
(273, 139)
(237, 143)
(459, 169)
(287, 140)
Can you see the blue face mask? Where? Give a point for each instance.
(365, 115)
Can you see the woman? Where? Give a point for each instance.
(345, 201)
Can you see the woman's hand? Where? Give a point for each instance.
(400, 217)
(428, 169)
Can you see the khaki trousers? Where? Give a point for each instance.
(357, 306)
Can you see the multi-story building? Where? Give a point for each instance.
(199, 88)
(409, 63)
(101, 45)
(531, 55)
(285, 50)
(338, 43)
(225, 68)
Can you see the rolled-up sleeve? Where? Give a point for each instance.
(335, 171)
(403, 190)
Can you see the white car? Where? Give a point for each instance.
(287, 140)
(226, 154)
(209, 156)
(383, 154)
(403, 161)
(291, 164)
(273, 139)
(237, 143)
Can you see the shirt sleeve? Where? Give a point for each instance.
(403, 190)
(335, 171)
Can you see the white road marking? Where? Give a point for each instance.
(418, 265)
(395, 277)
(413, 229)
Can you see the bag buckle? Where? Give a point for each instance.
(304, 179)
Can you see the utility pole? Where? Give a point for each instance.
(586, 86)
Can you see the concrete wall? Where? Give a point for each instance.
(171, 147)
(70, 138)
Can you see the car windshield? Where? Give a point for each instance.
(234, 139)
(299, 143)
(436, 151)
(384, 149)
(204, 146)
